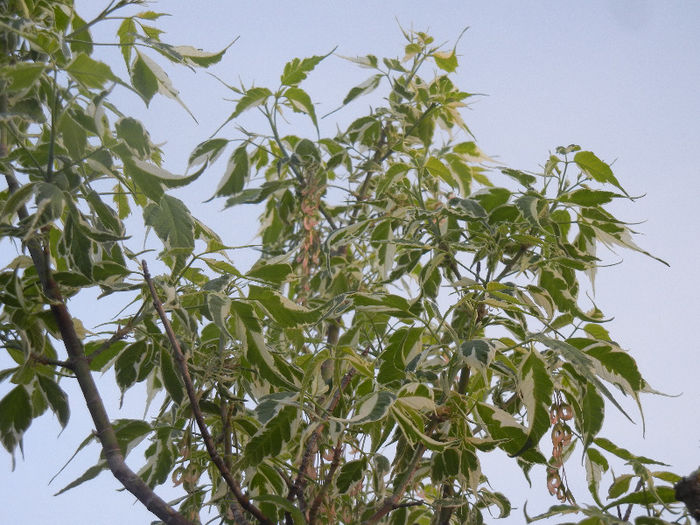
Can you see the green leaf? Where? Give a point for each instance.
(143, 78)
(257, 195)
(89, 474)
(436, 168)
(593, 413)
(130, 432)
(171, 378)
(536, 389)
(587, 197)
(269, 440)
(168, 179)
(89, 72)
(235, 175)
(596, 168)
(22, 76)
(280, 502)
(207, 151)
(285, 312)
(81, 40)
(351, 472)
(172, 222)
(251, 98)
(275, 273)
(127, 365)
(447, 61)
(248, 330)
(57, 398)
(296, 70)
(300, 101)
(373, 408)
(15, 417)
(367, 86)
(199, 57)
(523, 178)
(126, 32)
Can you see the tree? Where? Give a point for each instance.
(404, 318)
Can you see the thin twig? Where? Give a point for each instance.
(312, 444)
(628, 512)
(120, 334)
(216, 458)
(335, 462)
(43, 360)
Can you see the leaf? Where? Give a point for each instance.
(126, 32)
(587, 197)
(143, 78)
(367, 86)
(269, 440)
(300, 101)
(165, 85)
(207, 151)
(296, 70)
(447, 61)
(251, 98)
(89, 474)
(582, 363)
(351, 472)
(22, 76)
(536, 389)
(57, 398)
(436, 168)
(172, 222)
(275, 273)
(171, 378)
(593, 413)
(15, 417)
(168, 179)
(478, 353)
(248, 330)
(596, 168)
(235, 175)
(89, 72)
(373, 408)
(257, 195)
(523, 178)
(199, 57)
(127, 365)
(285, 312)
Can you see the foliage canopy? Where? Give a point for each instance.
(413, 307)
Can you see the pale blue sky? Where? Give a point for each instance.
(621, 78)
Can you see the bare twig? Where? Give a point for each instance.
(216, 458)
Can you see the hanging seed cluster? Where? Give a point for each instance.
(559, 414)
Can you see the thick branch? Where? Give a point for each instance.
(199, 418)
(80, 366)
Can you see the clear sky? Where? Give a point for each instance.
(621, 78)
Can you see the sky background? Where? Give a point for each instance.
(620, 78)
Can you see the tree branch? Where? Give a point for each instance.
(335, 462)
(80, 366)
(216, 458)
(312, 444)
